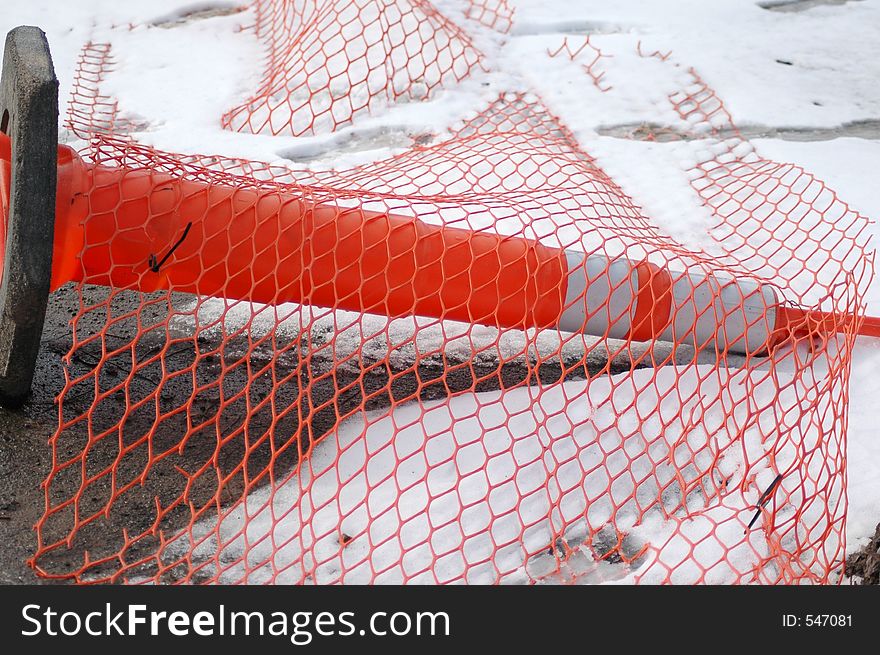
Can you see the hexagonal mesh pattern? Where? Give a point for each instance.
(390, 374)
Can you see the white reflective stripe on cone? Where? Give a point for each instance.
(733, 315)
(601, 295)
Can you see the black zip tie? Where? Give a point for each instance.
(763, 500)
(154, 264)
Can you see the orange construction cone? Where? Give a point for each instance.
(271, 245)
(148, 230)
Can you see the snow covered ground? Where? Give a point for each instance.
(805, 76)
(475, 488)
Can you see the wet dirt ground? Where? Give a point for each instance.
(313, 386)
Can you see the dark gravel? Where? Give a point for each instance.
(309, 386)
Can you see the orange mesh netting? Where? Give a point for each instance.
(329, 61)
(478, 360)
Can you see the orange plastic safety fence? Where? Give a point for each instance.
(330, 61)
(390, 374)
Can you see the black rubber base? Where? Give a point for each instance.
(29, 115)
